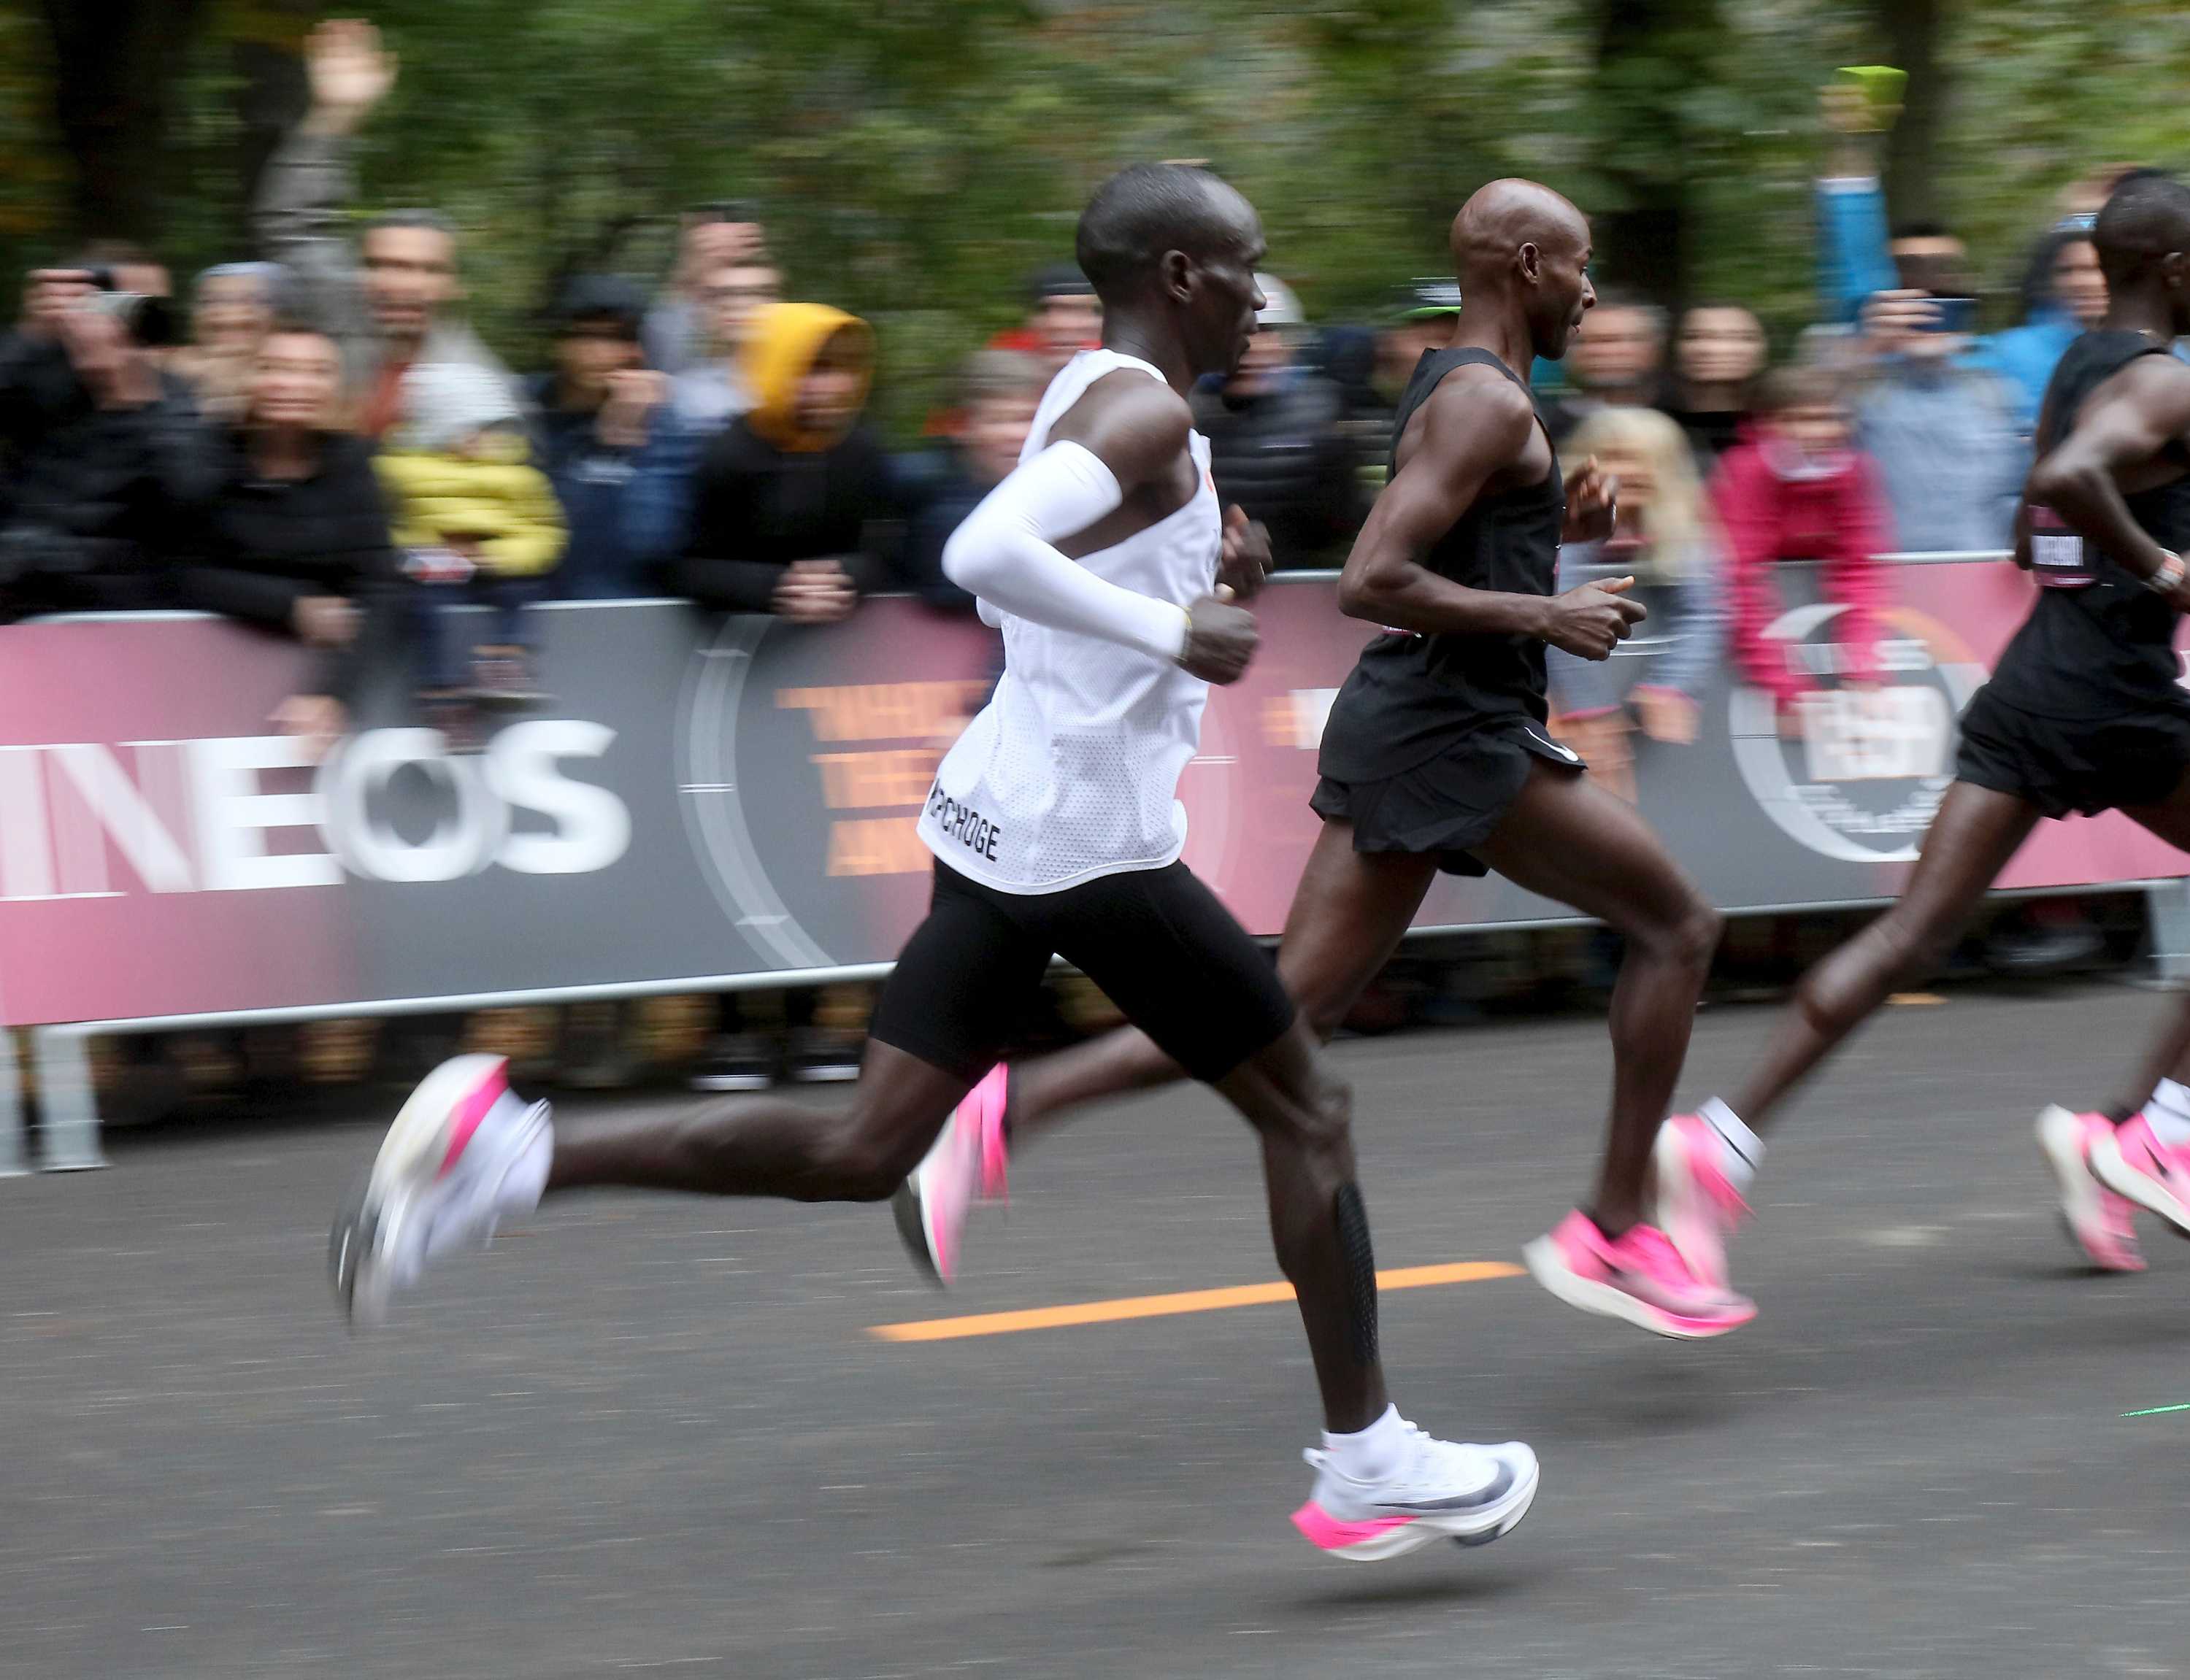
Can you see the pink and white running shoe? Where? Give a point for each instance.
(1698, 1205)
(1440, 1490)
(2131, 1160)
(2103, 1223)
(439, 1185)
(1639, 1276)
(966, 1164)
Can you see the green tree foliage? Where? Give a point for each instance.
(916, 159)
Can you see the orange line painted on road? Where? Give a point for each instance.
(1164, 1306)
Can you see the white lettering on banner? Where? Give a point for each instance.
(463, 843)
(196, 816)
(235, 817)
(1877, 735)
(26, 854)
(592, 828)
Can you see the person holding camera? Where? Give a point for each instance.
(110, 466)
(1940, 428)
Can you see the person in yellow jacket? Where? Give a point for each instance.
(478, 526)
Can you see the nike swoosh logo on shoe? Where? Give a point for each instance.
(1499, 1487)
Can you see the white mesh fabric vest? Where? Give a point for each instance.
(1071, 771)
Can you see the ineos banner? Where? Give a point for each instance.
(711, 801)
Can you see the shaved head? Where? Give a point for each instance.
(1501, 218)
(1522, 252)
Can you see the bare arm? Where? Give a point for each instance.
(1473, 429)
(2080, 478)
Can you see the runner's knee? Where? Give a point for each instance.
(1688, 934)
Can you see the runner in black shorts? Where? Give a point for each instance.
(1056, 830)
(2084, 713)
(1435, 757)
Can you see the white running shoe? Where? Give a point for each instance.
(437, 1184)
(1441, 1491)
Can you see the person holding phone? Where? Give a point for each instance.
(1941, 428)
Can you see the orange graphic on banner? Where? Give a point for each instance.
(887, 711)
(881, 778)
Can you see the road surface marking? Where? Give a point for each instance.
(1164, 1306)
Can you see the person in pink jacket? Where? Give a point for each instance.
(1797, 490)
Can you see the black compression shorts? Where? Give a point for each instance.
(1449, 805)
(2086, 765)
(1157, 942)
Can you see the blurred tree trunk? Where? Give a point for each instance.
(116, 66)
(1650, 54)
(1910, 29)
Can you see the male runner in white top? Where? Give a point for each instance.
(1057, 831)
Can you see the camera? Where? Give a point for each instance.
(149, 322)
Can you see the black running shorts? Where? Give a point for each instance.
(2086, 765)
(1449, 805)
(1155, 941)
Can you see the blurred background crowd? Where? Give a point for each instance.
(432, 334)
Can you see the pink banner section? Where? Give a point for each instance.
(718, 802)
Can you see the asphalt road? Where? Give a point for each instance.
(654, 1436)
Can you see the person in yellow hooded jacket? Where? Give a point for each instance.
(477, 525)
(781, 505)
(785, 494)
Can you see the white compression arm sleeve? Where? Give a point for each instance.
(1005, 553)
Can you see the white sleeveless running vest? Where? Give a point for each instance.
(1071, 771)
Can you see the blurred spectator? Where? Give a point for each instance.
(392, 303)
(1941, 434)
(230, 312)
(1798, 491)
(710, 238)
(1667, 543)
(998, 393)
(782, 505)
(296, 538)
(477, 526)
(1371, 366)
(111, 468)
(1064, 317)
(784, 495)
(711, 391)
(1717, 357)
(1427, 315)
(1277, 441)
(604, 434)
(1615, 360)
(2062, 291)
(2063, 294)
(1857, 255)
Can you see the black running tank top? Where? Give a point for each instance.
(1411, 696)
(2097, 643)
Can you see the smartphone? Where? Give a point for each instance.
(1881, 84)
(1952, 314)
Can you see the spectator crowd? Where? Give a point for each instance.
(322, 446)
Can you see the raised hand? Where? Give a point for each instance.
(1592, 504)
(350, 73)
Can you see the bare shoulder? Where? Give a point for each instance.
(1475, 412)
(1136, 425)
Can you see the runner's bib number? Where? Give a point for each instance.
(2056, 553)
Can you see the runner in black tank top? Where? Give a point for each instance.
(2084, 713)
(1415, 698)
(1435, 755)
